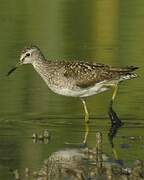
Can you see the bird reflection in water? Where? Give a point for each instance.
(115, 125)
(83, 164)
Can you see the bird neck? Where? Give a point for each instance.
(39, 63)
(41, 66)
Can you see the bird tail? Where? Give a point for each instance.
(125, 73)
(128, 73)
(127, 69)
(131, 68)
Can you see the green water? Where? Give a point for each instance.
(110, 32)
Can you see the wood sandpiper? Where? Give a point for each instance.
(77, 78)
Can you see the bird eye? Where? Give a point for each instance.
(27, 54)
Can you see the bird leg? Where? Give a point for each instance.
(86, 121)
(86, 133)
(84, 143)
(85, 110)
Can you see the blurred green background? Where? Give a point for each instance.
(110, 32)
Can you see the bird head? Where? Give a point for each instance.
(28, 56)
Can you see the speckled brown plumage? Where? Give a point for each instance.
(87, 74)
(84, 74)
(74, 78)
(77, 78)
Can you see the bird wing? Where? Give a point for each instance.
(87, 74)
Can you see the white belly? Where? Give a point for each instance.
(80, 92)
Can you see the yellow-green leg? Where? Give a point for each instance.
(86, 133)
(115, 89)
(86, 121)
(85, 110)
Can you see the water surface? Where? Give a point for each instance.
(109, 32)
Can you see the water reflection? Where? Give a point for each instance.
(110, 32)
(44, 137)
(83, 163)
(115, 125)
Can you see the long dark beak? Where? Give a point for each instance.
(14, 68)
